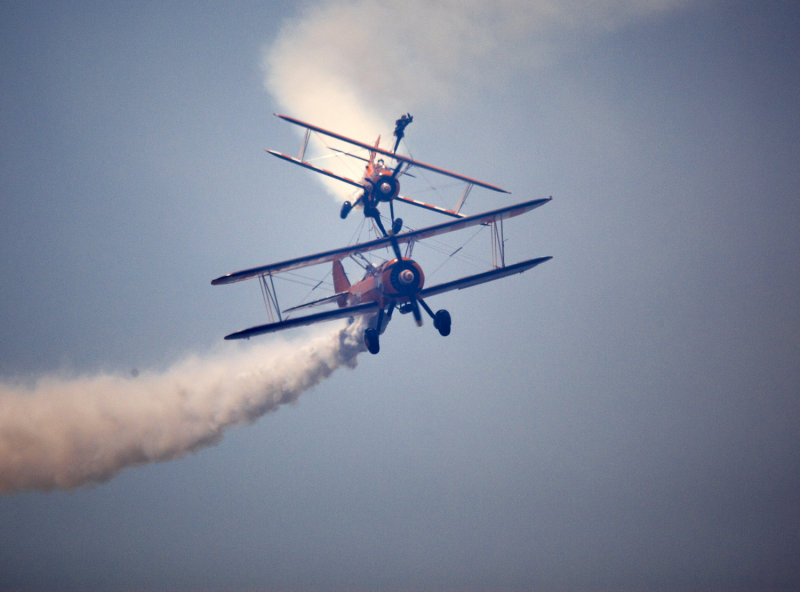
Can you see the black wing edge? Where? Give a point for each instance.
(329, 315)
(486, 276)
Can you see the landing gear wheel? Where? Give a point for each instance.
(371, 341)
(397, 225)
(346, 207)
(442, 322)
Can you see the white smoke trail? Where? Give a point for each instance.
(354, 66)
(67, 433)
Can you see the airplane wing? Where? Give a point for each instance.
(397, 157)
(308, 165)
(432, 208)
(338, 313)
(414, 235)
(480, 278)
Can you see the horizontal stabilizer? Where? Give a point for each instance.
(480, 278)
(321, 301)
(414, 235)
(337, 313)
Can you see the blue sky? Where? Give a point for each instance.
(622, 417)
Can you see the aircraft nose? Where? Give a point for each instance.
(406, 277)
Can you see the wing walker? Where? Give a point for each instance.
(397, 284)
(381, 180)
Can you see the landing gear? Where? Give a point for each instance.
(346, 207)
(397, 225)
(371, 341)
(441, 320)
(372, 212)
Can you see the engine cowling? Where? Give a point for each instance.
(386, 187)
(403, 278)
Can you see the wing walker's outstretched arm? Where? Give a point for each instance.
(400, 128)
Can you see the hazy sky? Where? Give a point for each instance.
(623, 417)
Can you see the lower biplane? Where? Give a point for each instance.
(380, 182)
(397, 284)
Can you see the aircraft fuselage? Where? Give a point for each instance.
(393, 282)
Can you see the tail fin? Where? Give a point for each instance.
(340, 282)
(372, 153)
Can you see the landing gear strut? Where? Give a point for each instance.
(441, 320)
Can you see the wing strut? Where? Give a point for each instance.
(461, 201)
(498, 244)
(270, 297)
(302, 154)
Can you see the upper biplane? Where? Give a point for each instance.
(396, 284)
(380, 181)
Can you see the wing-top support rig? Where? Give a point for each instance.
(396, 284)
(380, 182)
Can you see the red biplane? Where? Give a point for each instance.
(380, 182)
(397, 284)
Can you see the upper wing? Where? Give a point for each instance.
(480, 278)
(337, 313)
(397, 157)
(414, 235)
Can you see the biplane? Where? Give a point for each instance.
(397, 284)
(381, 180)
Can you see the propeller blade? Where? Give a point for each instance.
(397, 169)
(416, 312)
(395, 247)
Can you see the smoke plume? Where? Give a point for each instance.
(354, 66)
(64, 433)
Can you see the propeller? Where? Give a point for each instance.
(413, 301)
(396, 247)
(415, 311)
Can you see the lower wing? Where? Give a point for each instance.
(423, 205)
(480, 278)
(308, 165)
